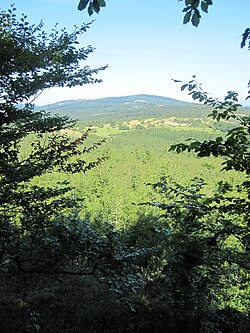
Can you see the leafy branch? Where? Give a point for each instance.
(235, 145)
(91, 5)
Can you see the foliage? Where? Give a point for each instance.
(192, 9)
(41, 232)
(231, 202)
(93, 6)
(245, 40)
(135, 158)
(34, 60)
(193, 255)
(234, 147)
(199, 263)
(203, 227)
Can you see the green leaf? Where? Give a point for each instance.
(186, 9)
(188, 2)
(191, 87)
(196, 95)
(82, 4)
(195, 4)
(102, 3)
(90, 10)
(195, 20)
(245, 36)
(204, 7)
(96, 6)
(184, 86)
(186, 18)
(219, 139)
(201, 98)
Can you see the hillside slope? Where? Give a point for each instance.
(126, 108)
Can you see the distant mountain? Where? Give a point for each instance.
(125, 108)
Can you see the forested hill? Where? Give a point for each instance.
(126, 108)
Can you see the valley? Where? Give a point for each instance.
(137, 151)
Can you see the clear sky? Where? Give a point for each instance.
(145, 45)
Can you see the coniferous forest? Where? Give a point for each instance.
(133, 218)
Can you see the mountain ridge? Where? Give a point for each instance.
(117, 99)
(139, 106)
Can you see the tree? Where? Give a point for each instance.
(199, 259)
(41, 232)
(234, 147)
(228, 209)
(200, 263)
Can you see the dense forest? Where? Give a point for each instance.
(136, 157)
(135, 218)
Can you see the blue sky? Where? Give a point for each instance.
(145, 45)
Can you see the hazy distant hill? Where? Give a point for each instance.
(126, 108)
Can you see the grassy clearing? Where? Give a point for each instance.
(186, 124)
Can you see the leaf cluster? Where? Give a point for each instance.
(192, 10)
(93, 6)
(32, 60)
(227, 211)
(234, 146)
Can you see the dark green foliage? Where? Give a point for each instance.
(192, 10)
(198, 258)
(34, 60)
(230, 205)
(30, 62)
(41, 232)
(234, 146)
(198, 262)
(188, 262)
(226, 320)
(78, 304)
(93, 6)
(245, 38)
